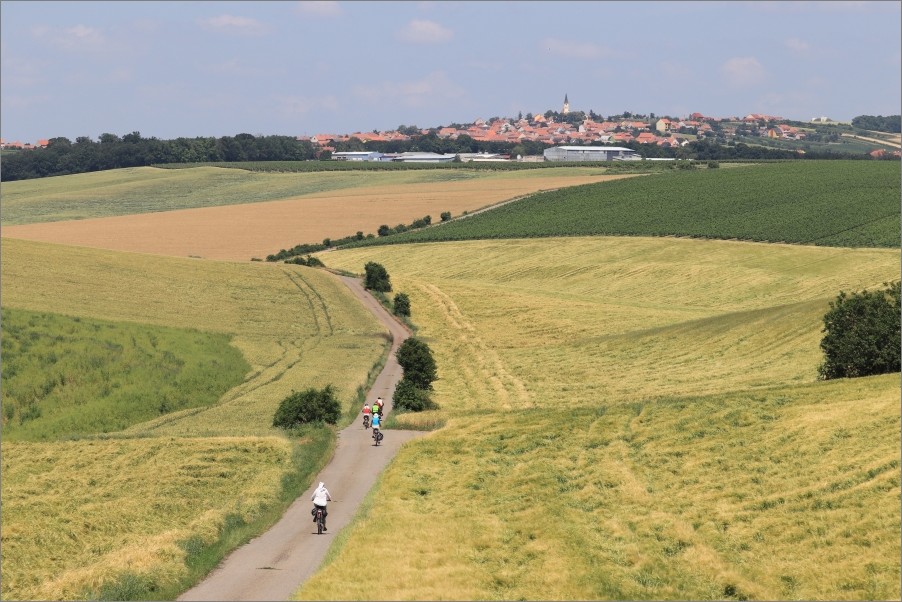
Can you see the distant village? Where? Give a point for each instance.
(559, 128)
(565, 127)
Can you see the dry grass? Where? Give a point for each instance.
(633, 419)
(79, 515)
(76, 514)
(243, 231)
(560, 322)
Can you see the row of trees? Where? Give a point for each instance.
(879, 123)
(62, 156)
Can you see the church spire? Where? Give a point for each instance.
(566, 108)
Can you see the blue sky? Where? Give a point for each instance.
(171, 69)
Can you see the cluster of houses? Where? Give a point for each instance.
(664, 132)
(4, 145)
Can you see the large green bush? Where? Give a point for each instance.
(409, 398)
(416, 359)
(308, 406)
(862, 334)
(376, 277)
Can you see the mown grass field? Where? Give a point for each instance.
(237, 215)
(130, 513)
(633, 418)
(830, 203)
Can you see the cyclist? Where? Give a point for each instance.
(366, 413)
(320, 498)
(379, 403)
(377, 422)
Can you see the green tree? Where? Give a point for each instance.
(446, 216)
(401, 304)
(408, 397)
(308, 406)
(416, 360)
(862, 334)
(384, 230)
(376, 277)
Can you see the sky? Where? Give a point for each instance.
(189, 69)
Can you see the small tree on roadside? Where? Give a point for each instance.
(409, 398)
(416, 360)
(446, 216)
(401, 305)
(376, 278)
(308, 406)
(862, 334)
(383, 230)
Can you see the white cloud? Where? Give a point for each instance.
(743, 71)
(320, 9)
(574, 50)
(797, 45)
(79, 37)
(434, 88)
(425, 32)
(233, 24)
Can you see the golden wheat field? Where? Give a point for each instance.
(633, 418)
(257, 228)
(79, 514)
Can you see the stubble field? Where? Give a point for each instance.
(257, 215)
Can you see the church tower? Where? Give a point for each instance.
(566, 105)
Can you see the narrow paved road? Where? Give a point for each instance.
(273, 565)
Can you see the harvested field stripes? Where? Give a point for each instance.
(507, 389)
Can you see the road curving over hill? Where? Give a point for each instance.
(273, 565)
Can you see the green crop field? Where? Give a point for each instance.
(129, 513)
(632, 418)
(830, 203)
(66, 376)
(149, 189)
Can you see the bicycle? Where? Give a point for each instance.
(320, 521)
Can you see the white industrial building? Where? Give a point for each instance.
(413, 157)
(357, 156)
(591, 153)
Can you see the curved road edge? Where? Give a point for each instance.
(275, 564)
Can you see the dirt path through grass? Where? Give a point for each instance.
(273, 565)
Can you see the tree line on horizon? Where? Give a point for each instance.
(64, 157)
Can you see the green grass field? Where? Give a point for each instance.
(830, 203)
(147, 510)
(632, 418)
(64, 377)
